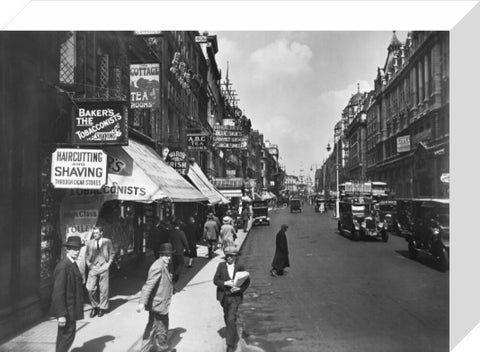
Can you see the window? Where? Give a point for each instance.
(67, 59)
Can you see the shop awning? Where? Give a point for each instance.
(198, 178)
(137, 173)
(231, 193)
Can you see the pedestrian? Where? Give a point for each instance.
(229, 295)
(280, 259)
(99, 255)
(228, 235)
(67, 295)
(155, 297)
(178, 239)
(210, 234)
(192, 231)
(245, 215)
(159, 235)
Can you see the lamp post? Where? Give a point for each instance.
(335, 141)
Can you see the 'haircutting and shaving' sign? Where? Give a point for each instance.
(79, 168)
(100, 123)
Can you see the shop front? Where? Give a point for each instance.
(139, 187)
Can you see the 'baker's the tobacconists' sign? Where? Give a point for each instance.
(100, 123)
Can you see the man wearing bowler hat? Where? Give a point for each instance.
(230, 296)
(156, 297)
(67, 295)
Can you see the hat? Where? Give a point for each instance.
(227, 219)
(166, 248)
(230, 250)
(74, 241)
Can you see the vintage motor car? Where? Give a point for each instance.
(357, 219)
(260, 212)
(295, 205)
(430, 233)
(320, 204)
(386, 214)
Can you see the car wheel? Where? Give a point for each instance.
(443, 260)
(412, 251)
(384, 236)
(356, 235)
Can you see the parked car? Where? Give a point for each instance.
(295, 205)
(357, 219)
(260, 212)
(430, 233)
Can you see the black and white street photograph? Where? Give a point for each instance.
(240, 176)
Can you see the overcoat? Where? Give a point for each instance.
(221, 275)
(157, 291)
(67, 295)
(280, 259)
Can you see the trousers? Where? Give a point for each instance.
(156, 333)
(100, 281)
(65, 336)
(230, 307)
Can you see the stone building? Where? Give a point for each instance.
(408, 119)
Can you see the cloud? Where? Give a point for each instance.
(282, 58)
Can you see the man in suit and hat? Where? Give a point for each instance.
(99, 255)
(211, 232)
(67, 295)
(230, 296)
(155, 297)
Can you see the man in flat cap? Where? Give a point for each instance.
(67, 295)
(229, 295)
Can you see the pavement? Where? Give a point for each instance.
(196, 317)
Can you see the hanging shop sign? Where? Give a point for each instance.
(231, 173)
(100, 123)
(145, 86)
(178, 160)
(197, 141)
(403, 144)
(79, 168)
(229, 137)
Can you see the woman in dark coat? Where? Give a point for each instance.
(280, 260)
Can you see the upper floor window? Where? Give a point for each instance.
(67, 59)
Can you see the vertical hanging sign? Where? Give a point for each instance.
(145, 86)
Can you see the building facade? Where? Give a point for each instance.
(409, 117)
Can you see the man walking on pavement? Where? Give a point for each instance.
(156, 297)
(98, 257)
(67, 295)
(230, 296)
(210, 234)
(179, 242)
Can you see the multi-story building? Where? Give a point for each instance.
(355, 134)
(408, 120)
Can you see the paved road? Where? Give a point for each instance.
(340, 295)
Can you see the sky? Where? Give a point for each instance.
(294, 85)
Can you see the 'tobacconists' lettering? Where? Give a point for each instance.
(98, 127)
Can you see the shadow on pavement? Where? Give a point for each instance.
(422, 258)
(174, 336)
(95, 345)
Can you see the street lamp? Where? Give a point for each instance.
(337, 202)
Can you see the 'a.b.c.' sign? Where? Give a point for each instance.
(79, 168)
(197, 141)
